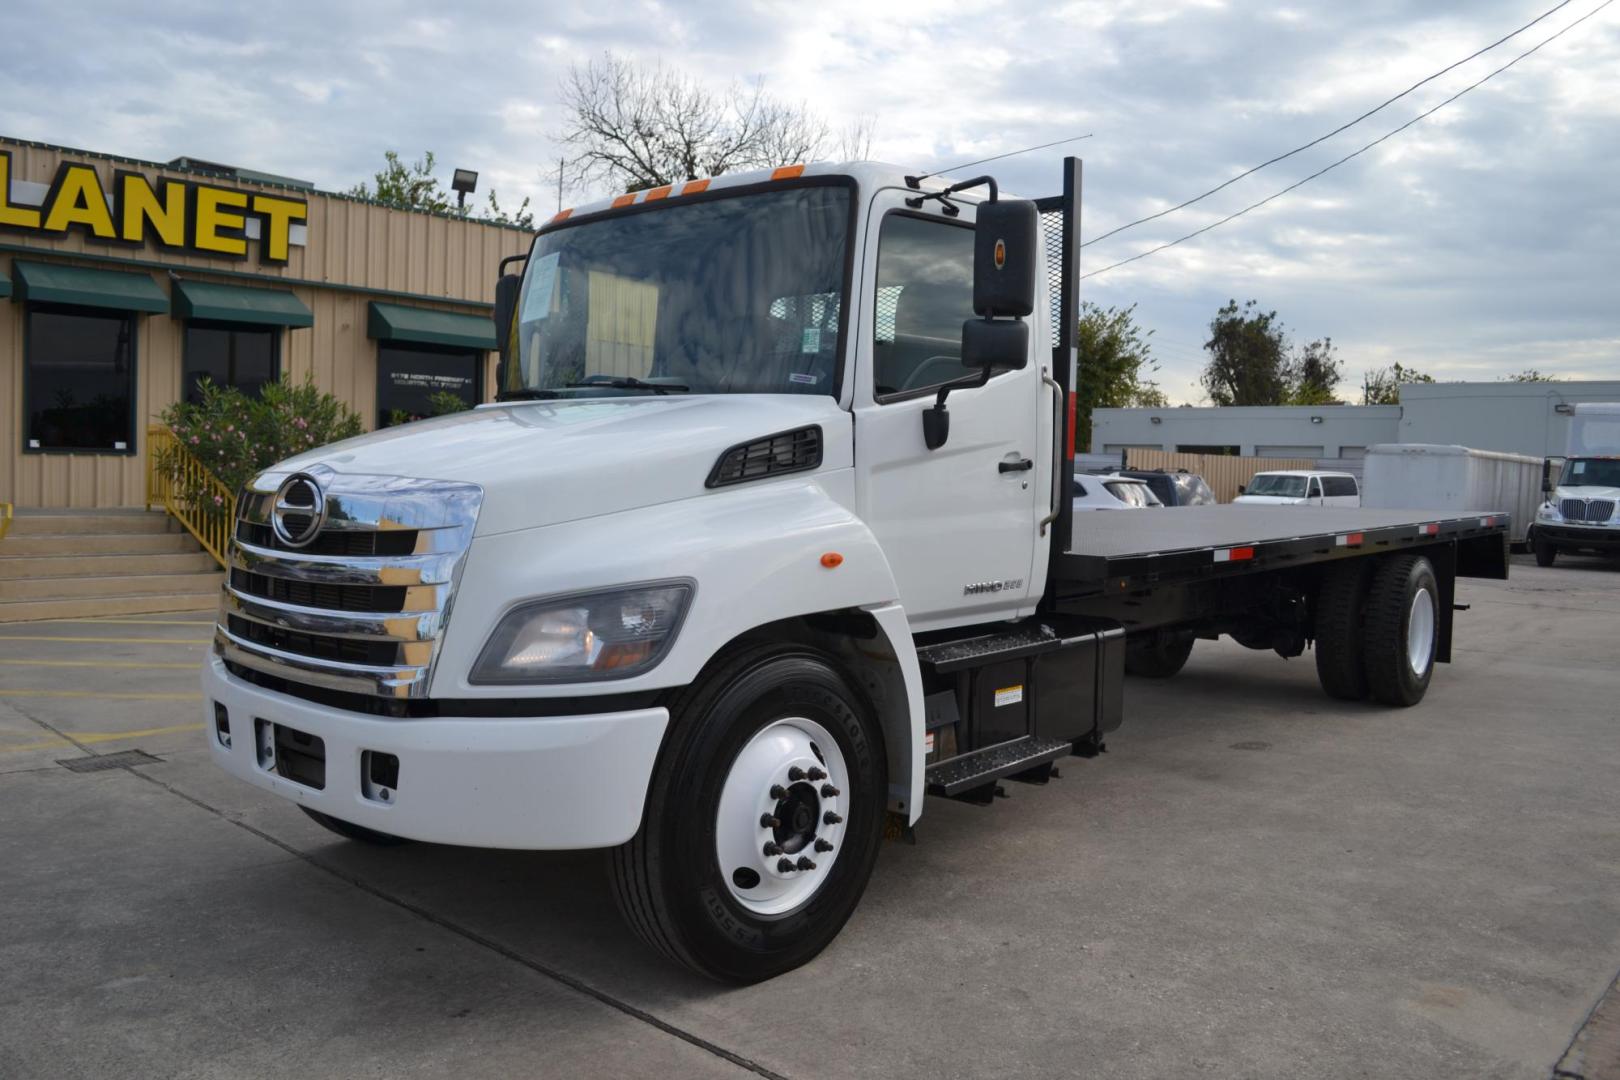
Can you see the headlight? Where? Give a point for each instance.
(609, 634)
(1548, 511)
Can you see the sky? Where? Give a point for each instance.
(1480, 242)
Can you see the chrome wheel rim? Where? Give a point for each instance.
(1420, 632)
(793, 774)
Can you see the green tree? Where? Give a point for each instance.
(1383, 386)
(1248, 357)
(1115, 359)
(1529, 375)
(412, 186)
(1313, 374)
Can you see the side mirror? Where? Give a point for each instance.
(1243, 489)
(1546, 475)
(506, 300)
(1002, 344)
(1004, 241)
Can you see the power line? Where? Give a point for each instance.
(1329, 135)
(1011, 153)
(1328, 168)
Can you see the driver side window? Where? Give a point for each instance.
(924, 295)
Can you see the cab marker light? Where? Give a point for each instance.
(562, 215)
(658, 193)
(832, 560)
(692, 187)
(1349, 540)
(624, 200)
(787, 172)
(1237, 554)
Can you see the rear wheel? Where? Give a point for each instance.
(1339, 604)
(763, 821)
(350, 831)
(1159, 655)
(1400, 629)
(1546, 553)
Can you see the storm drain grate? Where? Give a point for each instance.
(108, 761)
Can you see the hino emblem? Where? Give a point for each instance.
(299, 510)
(978, 588)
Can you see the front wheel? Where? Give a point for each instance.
(1546, 553)
(763, 820)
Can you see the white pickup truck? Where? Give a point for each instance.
(767, 539)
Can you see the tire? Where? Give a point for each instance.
(1546, 553)
(1398, 639)
(1159, 656)
(350, 831)
(1338, 625)
(669, 880)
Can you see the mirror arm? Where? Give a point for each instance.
(915, 202)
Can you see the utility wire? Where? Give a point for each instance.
(1328, 168)
(1329, 135)
(1012, 153)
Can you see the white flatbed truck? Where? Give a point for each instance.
(767, 540)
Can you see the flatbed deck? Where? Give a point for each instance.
(1115, 550)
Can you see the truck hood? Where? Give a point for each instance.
(546, 462)
(1587, 491)
(1270, 500)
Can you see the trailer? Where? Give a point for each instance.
(1431, 476)
(767, 541)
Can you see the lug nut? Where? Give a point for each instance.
(768, 822)
(816, 774)
(778, 792)
(785, 866)
(828, 791)
(795, 773)
(822, 845)
(830, 818)
(805, 863)
(772, 848)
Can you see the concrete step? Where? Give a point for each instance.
(14, 567)
(96, 544)
(66, 523)
(62, 588)
(87, 607)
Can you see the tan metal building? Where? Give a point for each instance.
(124, 282)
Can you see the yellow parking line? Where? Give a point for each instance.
(192, 666)
(109, 640)
(108, 694)
(89, 738)
(136, 622)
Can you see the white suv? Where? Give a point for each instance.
(1301, 488)
(1113, 492)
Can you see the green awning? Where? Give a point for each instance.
(53, 283)
(238, 304)
(393, 322)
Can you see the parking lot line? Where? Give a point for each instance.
(111, 695)
(164, 665)
(69, 738)
(108, 640)
(137, 622)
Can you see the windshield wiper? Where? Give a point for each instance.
(627, 382)
(527, 393)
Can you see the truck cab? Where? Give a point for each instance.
(1581, 508)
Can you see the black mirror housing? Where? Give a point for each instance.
(506, 299)
(1003, 344)
(1004, 241)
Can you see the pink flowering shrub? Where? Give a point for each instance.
(237, 436)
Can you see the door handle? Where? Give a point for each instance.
(1021, 465)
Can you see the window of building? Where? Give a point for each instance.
(79, 379)
(409, 375)
(230, 354)
(924, 295)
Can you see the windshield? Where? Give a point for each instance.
(1287, 487)
(1132, 493)
(732, 295)
(1591, 472)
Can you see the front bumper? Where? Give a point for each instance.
(1577, 536)
(543, 783)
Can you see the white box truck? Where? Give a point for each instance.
(1418, 475)
(1581, 512)
(767, 539)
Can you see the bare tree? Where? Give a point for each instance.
(636, 127)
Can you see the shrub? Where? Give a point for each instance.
(236, 436)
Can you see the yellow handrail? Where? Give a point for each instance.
(5, 519)
(177, 481)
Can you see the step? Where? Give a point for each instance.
(90, 607)
(61, 588)
(96, 544)
(980, 768)
(959, 654)
(14, 567)
(77, 523)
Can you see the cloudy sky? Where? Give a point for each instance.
(1482, 241)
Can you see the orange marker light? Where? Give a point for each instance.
(624, 200)
(563, 214)
(658, 192)
(832, 560)
(787, 172)
(692, 187)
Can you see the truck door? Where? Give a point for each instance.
(959, 524)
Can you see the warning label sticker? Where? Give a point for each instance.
(1009, 695)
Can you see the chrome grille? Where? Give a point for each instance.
(362, 606)
(1590, 510)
